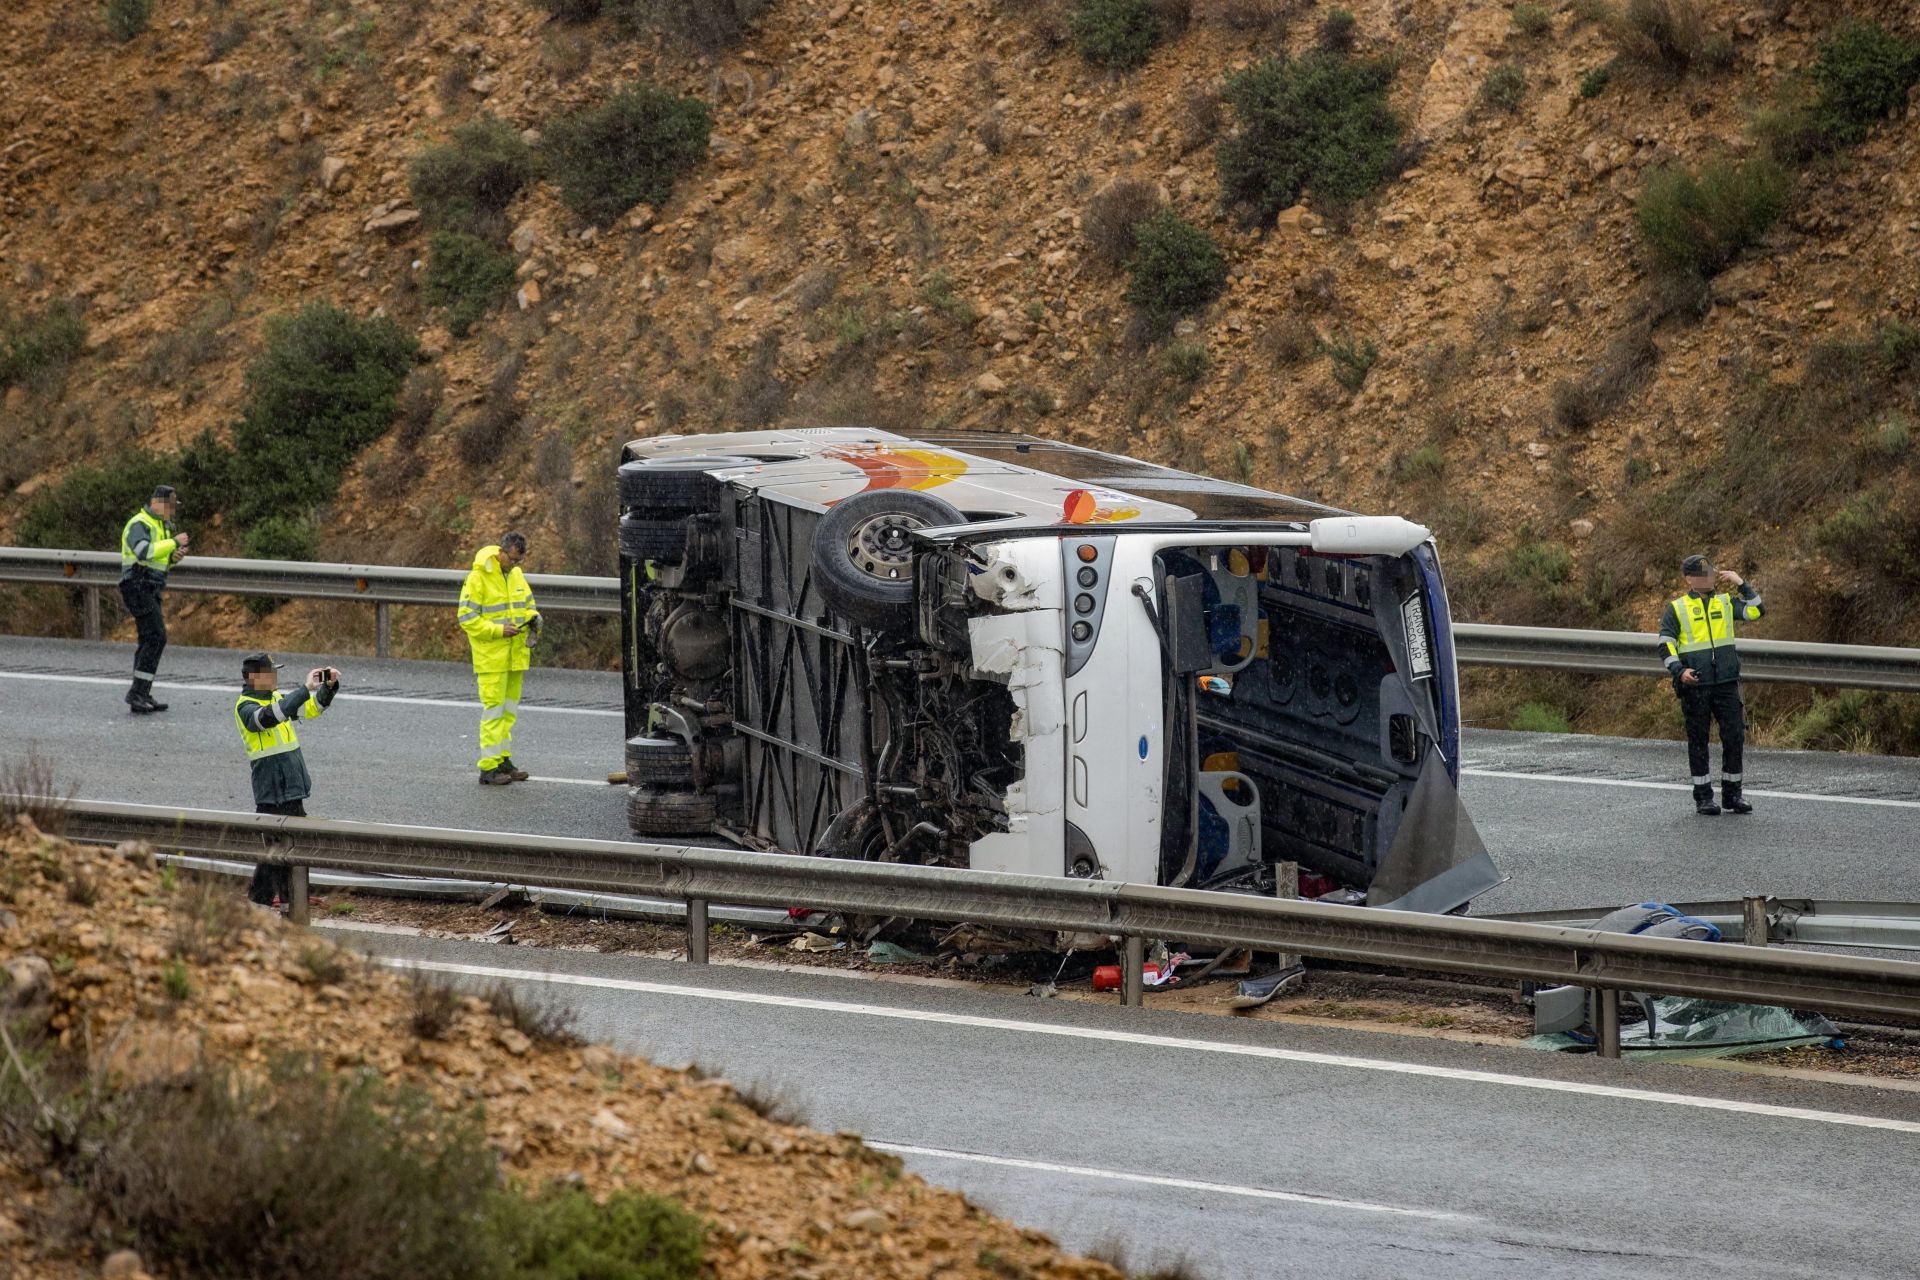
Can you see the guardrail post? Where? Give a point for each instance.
(382, 630)
(299, 910)
(91, 616)
(1607, 1023)
(696, 930)
(1753, 921)
(1286, 886)
(1133, 982)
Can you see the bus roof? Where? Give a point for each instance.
(1018, 479)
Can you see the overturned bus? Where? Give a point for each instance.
(1011, 654)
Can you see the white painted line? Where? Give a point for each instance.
(344, 696)
(576, 782)
(1682, 786)
(1166, 1042)
(1184, 1184)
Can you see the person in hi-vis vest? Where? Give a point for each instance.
(1697, 645)
(498, 614)
(149, 546)
(281, 783)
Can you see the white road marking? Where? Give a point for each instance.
(1682, 786)
(1167, 1042)
(1185, 1184)
(345, 696)
(577, 782)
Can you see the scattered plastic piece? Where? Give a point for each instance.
(811, 941)
(893, 953)
(1255, 992)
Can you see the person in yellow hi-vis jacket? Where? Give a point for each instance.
(498, 614)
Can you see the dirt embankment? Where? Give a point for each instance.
(142, 976)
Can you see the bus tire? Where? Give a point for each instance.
(659, 762)
(863, 554)
(658, 541)
(652, 811)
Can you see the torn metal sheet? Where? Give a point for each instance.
(1436, 837)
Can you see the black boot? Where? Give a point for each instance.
(1703, 802)
(1730, 800)
(140, 704)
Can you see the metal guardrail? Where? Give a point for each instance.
(379, 585)
(1596, 652)
(1847, 666)
(1610, 963)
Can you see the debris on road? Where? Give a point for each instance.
(1254, 992)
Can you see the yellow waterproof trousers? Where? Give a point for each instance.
(499, 708)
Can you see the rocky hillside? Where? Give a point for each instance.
(919, 214)
(127, 992)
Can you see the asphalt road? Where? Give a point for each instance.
(1278, 1150)
(1574, 821)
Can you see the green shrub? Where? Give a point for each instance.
(128, 18)
(466, 184)
(283, 538)
(1664, 34)
(176, 981)
(706, 25)
(299, 1174)
(627, 150)
(1532, 19)
(1420, 466)
(37, 349)
(1894, 436)
(1539, 717)
(1353, 358)
(1318, 123)
(1338, 31)
(1872, 533)
(467, 276)
(1542, 566)
(88, 507)
(1592, 83)
(572, 10)
(1504, 87)
(326, 387)
(1117, 34)
(564, 1235)
(1175, 268)
(1695, 224)
(1860, 74)
(1872, 722)
(1188, 361)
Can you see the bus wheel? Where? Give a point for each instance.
(863, 554)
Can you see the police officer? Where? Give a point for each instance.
(501, 621)
(148, 548)
(281, 783)
(1696, 641)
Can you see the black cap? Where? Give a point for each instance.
(1697, 567)
(257, 662)
(162, 491)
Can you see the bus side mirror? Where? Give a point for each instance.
(1188, 650)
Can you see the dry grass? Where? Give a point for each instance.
(543, 1021)
(491, 433)
(1628, 359)
(30, 788)
(1111, 216)
(434, 1006)
(207, 913)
